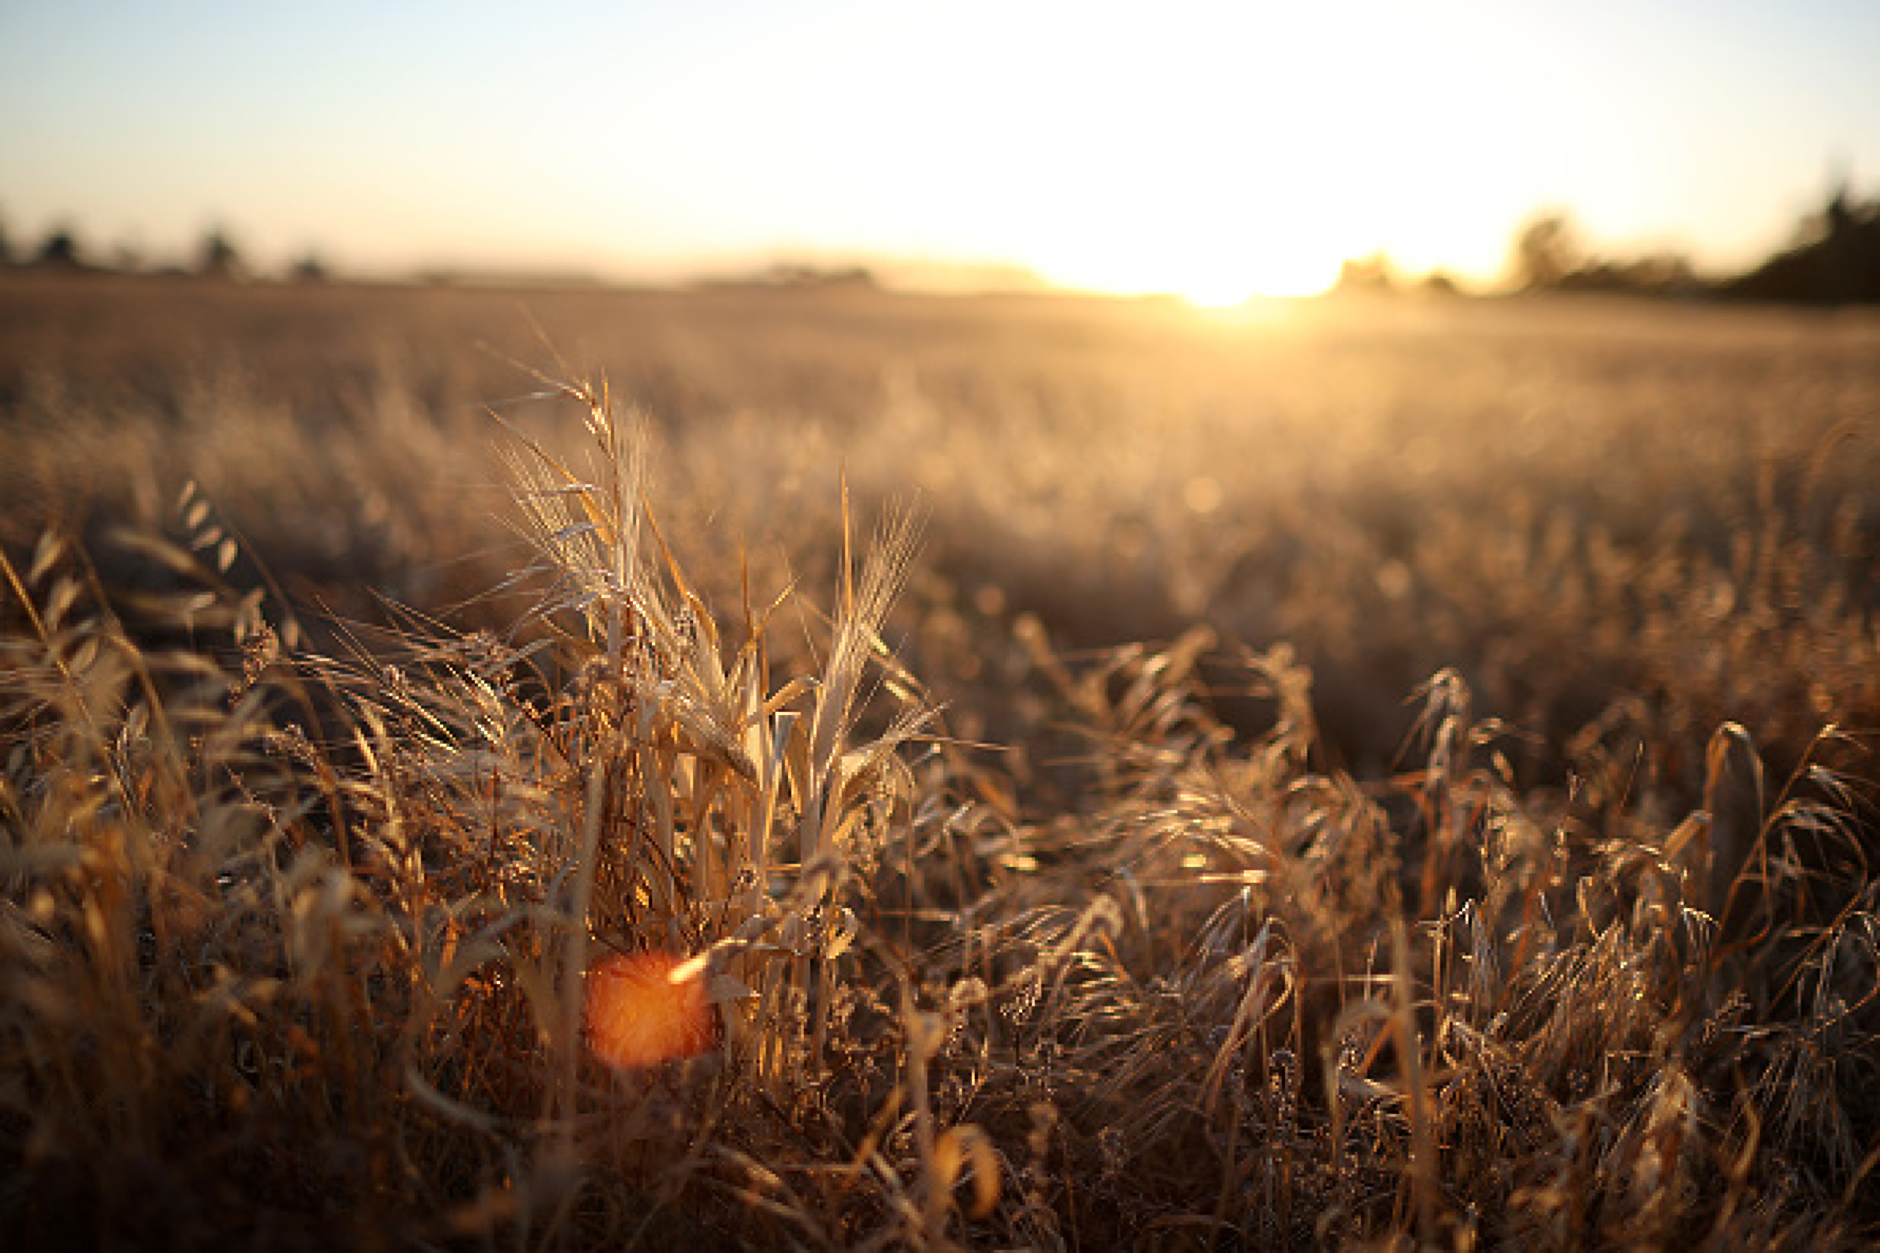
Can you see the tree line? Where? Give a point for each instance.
(216, 256)
(1833, 258)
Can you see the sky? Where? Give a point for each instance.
(1212, 150)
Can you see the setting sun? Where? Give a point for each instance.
(1247, 153)
(1241, 152)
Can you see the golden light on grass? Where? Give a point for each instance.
(645, 1008)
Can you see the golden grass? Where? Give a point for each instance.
(643, 905)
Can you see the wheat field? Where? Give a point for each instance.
(838, 769)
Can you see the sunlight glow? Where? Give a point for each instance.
(1243, 152)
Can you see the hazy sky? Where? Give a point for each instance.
(1211, 149)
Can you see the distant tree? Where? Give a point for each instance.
(816, 277)
(309, 269)
(1546, 250)
(1848, 260)
(1374, 273)
(1656, 274)
(1663, 273)
(218, 257)
(1835, 258)
(60, 250)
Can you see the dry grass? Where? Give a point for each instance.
(305, 920)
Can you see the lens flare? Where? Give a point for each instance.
(642, 1010)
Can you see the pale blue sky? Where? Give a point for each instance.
(1206, 148)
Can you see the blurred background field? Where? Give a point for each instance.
(1615, 518)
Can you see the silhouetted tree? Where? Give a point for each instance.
(815, 277)
(60, 250)
(1367, 274)
(1546, 250)
(1657, 274)
(1836, 258)
(309, 269)
(218, 256)
(1849, 254)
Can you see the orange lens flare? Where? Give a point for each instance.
(638, 1014)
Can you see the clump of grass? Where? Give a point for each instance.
(226, 932)
(1254, 1000)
